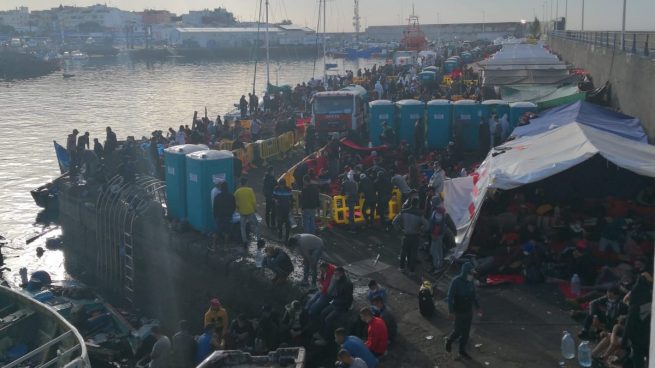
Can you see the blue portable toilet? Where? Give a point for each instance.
(440, 114)
(427, 76)
(467, 57)
(516, 110)
(408, 112)
(203, 170)
(449, 65)
(380, 111)
(466, 123)
(431, 68)
(175, 162)
(498, 107)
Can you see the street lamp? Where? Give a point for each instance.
(582, 28)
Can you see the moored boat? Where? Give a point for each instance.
(36, 335)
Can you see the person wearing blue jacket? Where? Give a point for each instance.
(461, 300)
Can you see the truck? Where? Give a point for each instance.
(338, 112)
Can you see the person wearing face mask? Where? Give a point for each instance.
(461, 300)
(603, 313)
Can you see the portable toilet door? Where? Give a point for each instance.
(516, 111)
(466, 124)
(501, 109)
(450, 65)
(175, 162)
(440, 114)
(380, 111)
(204, 169)
(408, 112)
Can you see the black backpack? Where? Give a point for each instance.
(425, 301)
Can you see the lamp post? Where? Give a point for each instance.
(582, 28)
(623, 27)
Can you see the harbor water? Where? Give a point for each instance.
(134, 99)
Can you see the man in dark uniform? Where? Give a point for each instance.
(461, 300)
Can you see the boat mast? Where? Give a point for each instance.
(357, 21)
(259, 24)
(268, 54)
(324, 43)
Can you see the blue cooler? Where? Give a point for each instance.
(175, 162)
(466, 123)
(516, 110)
(440, 113)
(203, 169)
(408, 112)
(380, 111)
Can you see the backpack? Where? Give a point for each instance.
(425, 301)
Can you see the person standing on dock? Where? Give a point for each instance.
(97, 148)
(461, 300)
(111, 143)
(246, 204)
(269, 187)
(243, 107)
(310, 203)
(223, 207)
(311, 249)
(184, 347)
(71, 147)
(283, 198)
(412, 223)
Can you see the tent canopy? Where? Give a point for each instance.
(531, 159)
(588, 114)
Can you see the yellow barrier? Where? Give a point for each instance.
(225, 144)
(285, 142)
(268, 149)
(340, 209)
(359, 80)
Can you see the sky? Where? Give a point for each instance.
(599, 14)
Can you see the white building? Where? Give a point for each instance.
(18, 18)
(243, 36)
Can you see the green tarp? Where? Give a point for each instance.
(544, 96)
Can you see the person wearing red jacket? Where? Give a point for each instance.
(321, 299)
(378, 336)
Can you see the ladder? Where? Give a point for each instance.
(128, 267)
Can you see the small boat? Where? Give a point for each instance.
(68, 75)
(45, 195)
(106, 331)
(283, 357)
(36, 335)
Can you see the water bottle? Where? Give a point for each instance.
(568, 346)
(259, 258)
(584, 354)
(575, 285)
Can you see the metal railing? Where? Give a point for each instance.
(637, 43)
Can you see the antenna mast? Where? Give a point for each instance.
(357, 21)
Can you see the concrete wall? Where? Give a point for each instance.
(632, 76)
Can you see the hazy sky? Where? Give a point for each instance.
(600, 14)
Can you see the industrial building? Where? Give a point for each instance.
(448, 32)
(227, 37)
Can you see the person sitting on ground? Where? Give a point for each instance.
(603, 314)
(321, 298)
(374, 291)
(160, 356)
(215, 312)
(381, 310)
(242, 334)
(610, 343)
(378, 336)
(296, 322)
(268, 330)
(345, 360)
(311, 249)
(184, 347)
(204, 346)
(279, 262)
(355, 346)
(341, 291)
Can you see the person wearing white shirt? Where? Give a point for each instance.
(180, 136)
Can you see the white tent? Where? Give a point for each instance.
(531, 159)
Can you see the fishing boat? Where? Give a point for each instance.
(413, 36)
(35, 335)
(108, 334)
